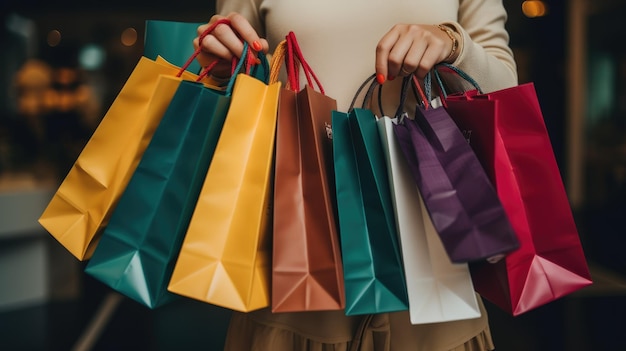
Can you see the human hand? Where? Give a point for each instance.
(412, 48)
(226, 42)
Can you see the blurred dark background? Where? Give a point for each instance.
(67, 60)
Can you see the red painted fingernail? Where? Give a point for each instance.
(380, 78)
(256, 46)
(392, 77)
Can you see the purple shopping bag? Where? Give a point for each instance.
(462, 202)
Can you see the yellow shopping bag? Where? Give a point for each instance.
(83, 203)
(225, 256)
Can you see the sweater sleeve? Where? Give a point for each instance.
(247, 8)
(485, 53)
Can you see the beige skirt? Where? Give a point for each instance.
(334, 331)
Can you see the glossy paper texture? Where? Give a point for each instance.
(373, 272)
(438, 290)
(139, 246)
(510, 138)
(458, 194)
(225, 256)
(307, 273)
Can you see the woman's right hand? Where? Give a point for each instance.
(226, 42)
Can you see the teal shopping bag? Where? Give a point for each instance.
(171, 40)
(137, 250)
(139, 247)
(373, 272)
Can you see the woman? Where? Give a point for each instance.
(345, 42)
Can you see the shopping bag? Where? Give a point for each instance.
(438, 290)
(138, 248)
(83, 203)
(171, 40)
(462, 202)
(307, 273)
(509, 136)
(373, 274)
(225, 255)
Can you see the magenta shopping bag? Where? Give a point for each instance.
(462, 202)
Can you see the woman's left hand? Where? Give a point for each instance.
(411, 48)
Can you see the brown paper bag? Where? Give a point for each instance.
(307, 272)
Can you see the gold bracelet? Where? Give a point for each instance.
(455, 42)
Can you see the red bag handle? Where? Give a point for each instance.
(419, 89)
(293, 63)
(249, 61)
(293, 57)
(198, 50)
(248, 55)
(292, 66)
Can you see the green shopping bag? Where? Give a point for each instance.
(171, 40)
(373, 272)
(139, 247)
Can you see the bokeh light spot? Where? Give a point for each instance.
(91, 57)
(54, 38)
(534, 8)
(129, 36)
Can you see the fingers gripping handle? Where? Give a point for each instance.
(199, 49)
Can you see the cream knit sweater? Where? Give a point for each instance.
(339, 37)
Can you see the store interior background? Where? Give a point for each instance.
(573, 53)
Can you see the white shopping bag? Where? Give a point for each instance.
(439, 290)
